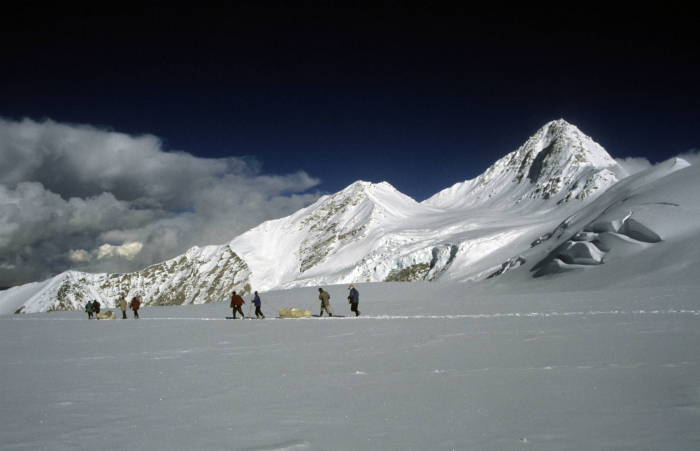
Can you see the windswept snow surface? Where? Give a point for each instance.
(426, 366)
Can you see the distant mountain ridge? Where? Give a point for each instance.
(368, 233)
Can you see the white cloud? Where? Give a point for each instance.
(70, 188)
(79, 256)
(634, 164)
(638, 164)
(692, 156)
(127, 251)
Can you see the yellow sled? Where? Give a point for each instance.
(294, 313)
(106, 315)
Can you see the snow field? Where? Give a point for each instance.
(426, 366)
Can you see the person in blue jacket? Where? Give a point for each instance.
(354, 300)
(257, 303)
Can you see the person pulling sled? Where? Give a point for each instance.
(89, 309)
(325, 299)
(257, 303)
(236, 303)
(354, 300)
(122, 306)
(135, 304)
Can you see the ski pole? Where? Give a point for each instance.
(250, 308)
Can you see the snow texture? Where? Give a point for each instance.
(426, 366)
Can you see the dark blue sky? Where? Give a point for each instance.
(419, 95)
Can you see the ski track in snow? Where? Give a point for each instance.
(285, 446)
(397, 317)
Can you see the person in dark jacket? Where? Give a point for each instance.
(257, 303)
(88, 309)
(134, 305)
(325, 299)
(236, 303)
(354, 300)
(96, 308)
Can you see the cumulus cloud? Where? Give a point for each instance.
(127, 251)
(79, 256)
(80, 197)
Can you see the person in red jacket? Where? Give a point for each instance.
(236, 303)
(135, 304)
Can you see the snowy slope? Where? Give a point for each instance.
(310, 242)
(555, 185)
(645, 228)
(428, 366)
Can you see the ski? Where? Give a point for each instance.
(282, 317)
(252, 317)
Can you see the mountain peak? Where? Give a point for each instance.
(558, 123)
(557, 164)
(558, 126)
(382, 195)
(361, 185)
(556, 145)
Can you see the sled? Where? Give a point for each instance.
(294, 313)
(106, 315)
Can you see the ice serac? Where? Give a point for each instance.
(644, 230)
(558, 165)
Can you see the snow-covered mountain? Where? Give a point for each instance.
(559, 163)
(643, 231)
(371, 232)
(202, 273)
